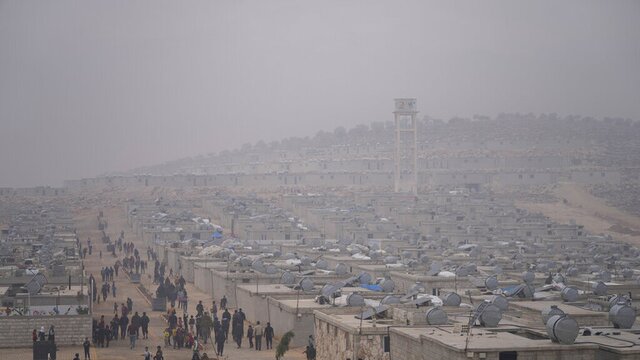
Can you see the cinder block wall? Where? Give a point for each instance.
(15, 331)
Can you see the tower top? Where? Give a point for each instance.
(406, 105)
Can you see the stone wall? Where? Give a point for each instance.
(15, 331)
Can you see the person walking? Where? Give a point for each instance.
(86, 345)
(268, 336)
(223, 302)
(220, 339)
(159, 355)
(257, 334)
(250, 336)
(52, 333)
(132, 336)
(144, 321)
(146, 353)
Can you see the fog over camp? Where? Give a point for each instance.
(92, 87)
(319, 180)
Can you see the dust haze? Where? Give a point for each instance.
(90, 87)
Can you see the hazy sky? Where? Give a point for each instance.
(93, 86)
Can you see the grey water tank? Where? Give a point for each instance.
(462, 271)
(451, 299)
(355, 299)
(569, 294)
(424, 259)
(599, 288)
(436, 316)
(500, 301)
(550, 311)
(622, 316)
(245, 261)
(306, 284)
(562, 329)
(491, 283)
(491, 316)
(271, 269)
(287, 278)
(342, 269)
(627, 273)
(387, 285)
(322, 264)
(365, 278)
(390, 299)
(572, 271)
(277, 253)
(258, 265)
(528, 277)
(559, 278)
(305, 261)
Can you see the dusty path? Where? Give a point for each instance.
(590, 211)
(87, 226)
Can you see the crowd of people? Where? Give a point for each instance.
(190, 332)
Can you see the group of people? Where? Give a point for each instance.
(182, 332)
(121, 327)
(42, 336)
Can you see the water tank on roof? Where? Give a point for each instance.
(365, 278)
(562, 329)
(390, 299)
(436, 316)
(622, 315)
(500, 301)
(387, 285)
(271, 269)
(491, 316)
(550, 311)
(572, 271)
(306, 284)
(569, 294)
(342, 269)
(287, 278)
(627, 273)
(462, 271)
(305, 261)
(528, 277)
(605, 276)
(355, 299)
(424, 259)
(491, 283)
(322, 264)
(559, 278)
(245, 261)
(451, 299)
(599, 288)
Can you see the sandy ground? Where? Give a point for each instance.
(87, 225)
(590, 211)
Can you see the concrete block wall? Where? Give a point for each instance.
(15, 331)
